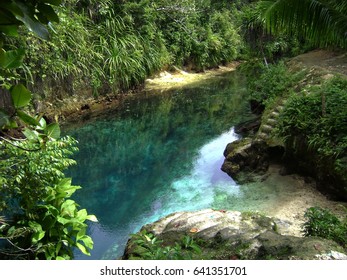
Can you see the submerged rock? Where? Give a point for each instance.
(234, 235)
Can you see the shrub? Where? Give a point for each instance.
(319, 121)
(40, 220)
(323, 223)
(273, 81)
(151, 248)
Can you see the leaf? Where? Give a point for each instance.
(68, 207)
(31, 22)
(30, 134)
(196, 248)
(42, 124)
(83, 249)
(11, 59)
(82, 215)
(53, 130)
(92, 218)
(12, 9)
(194, 230)
(27, 118)
(37, 236)
(48, 12)
(62, 220)
(9, 30)
(88, 241)
(81, 233)
(21, 96)
(57, 249)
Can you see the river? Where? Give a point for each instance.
(161, 152)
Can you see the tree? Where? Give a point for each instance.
(323, 22)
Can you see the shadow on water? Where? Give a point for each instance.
(158, 154)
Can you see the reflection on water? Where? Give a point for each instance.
(158, 155)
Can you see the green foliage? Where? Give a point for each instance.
(33, 14)
(44, 223)
(38, 218)
(272, 82)
(322, 22)
(150, 248)
(259, 43)
(319, 120)
(321, 222)
(107, 46)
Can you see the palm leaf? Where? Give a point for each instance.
(324, 22)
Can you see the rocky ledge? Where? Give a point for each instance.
(234, 235)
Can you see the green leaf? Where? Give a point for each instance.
(81, 233)
(53, 131)
(9, 30)
(48, 12)
(11, 59)
(64, 184)
(63, 221)
(21, 96)
(37, 236)
(42, 124)
(68, 207)
(30, 134)
(27, 119)
(83, 249)
(88, 241)
(31, 22)
(92, 218)
(82, 215)
(65, 189)
(12, 9)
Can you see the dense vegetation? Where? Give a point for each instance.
(101, 47)
(321, 222)
(38, 219)
(110, 46)
(315, 124)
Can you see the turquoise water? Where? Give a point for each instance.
(157, 154)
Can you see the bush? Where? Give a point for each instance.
(323, 223)
(319, 121)
(273, 81)
(39, 220)
(148, 247)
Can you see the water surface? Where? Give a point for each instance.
(158, 154)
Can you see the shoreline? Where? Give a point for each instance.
(82, 109)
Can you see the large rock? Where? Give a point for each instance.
(245, 155)
(235, 235)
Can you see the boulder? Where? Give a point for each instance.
(245, 155)
(225, 234)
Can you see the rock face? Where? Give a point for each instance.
(245, 155)
(235, 235)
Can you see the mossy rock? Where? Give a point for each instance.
(230, 235)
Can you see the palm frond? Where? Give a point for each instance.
(323, 22)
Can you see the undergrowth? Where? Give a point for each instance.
(322, 223)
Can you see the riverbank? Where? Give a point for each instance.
(295, 194)
(252, 155)
(79, 109)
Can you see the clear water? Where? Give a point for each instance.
(157, 154)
